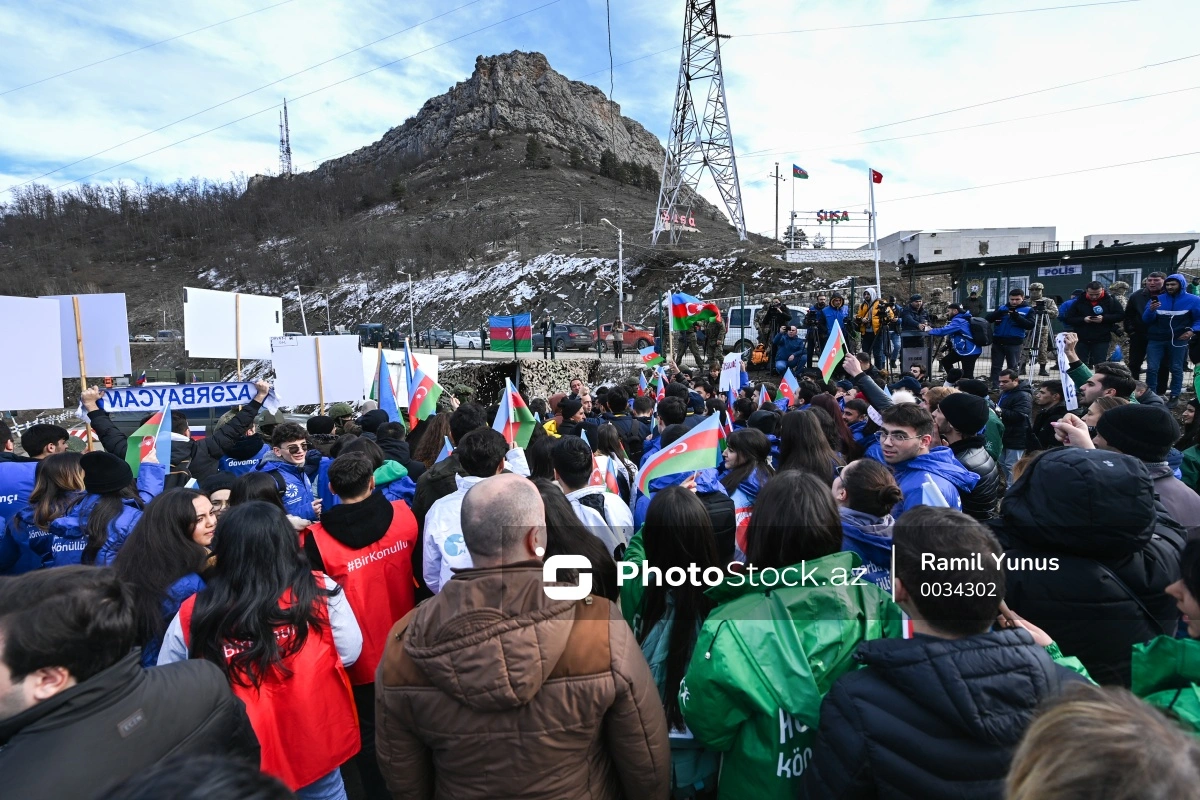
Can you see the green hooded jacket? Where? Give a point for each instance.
(993, 434)
(1166, 674)
(766, 657)
(1191, 467)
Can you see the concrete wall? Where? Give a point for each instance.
(814, 256)
(943, 245)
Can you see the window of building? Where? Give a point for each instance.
(1131, 276)
(998, 289)
(937, 252)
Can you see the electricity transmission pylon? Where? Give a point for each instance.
(698, 143)
(285, 144)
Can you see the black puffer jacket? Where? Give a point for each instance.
(982, 501)
(1015, 408)
(1043, 430)
(398, 450)
(930, 718)
(1089, 553)
(82, 742)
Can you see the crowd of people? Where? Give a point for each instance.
(916, 588)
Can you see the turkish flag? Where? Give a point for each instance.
(876, 177)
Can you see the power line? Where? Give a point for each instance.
(1027, 94)
(773, 153)
(308, 94)
(873, 25)
(238, 97)
(143, 47)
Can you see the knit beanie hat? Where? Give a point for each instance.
(318, 425)
(1144, 432)
(569, 407)
(104, 472)
(973, 386)
(371, 420)
(966, 413)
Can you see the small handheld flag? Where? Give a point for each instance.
(610, 476)
(447, 449)
(686, 311)
(154, 436)
(643, 387)
(763, 398)
(697, 449)
(141, 379)
(660, 392)
(834, 352)
(931, 495)
(422, 403)
(387, 395)
(799, 172)
(650, 356)
(789, 388)
(514, 420)
(597, 477)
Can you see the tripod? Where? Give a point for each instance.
(1035, 344)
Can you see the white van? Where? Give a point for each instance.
(734, 315)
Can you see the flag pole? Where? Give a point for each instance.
(670, 326)
(82, 363)
(874, 231)
(379, 371)
(320, 380)
(237, 329)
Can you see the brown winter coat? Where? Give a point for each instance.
(491, 689)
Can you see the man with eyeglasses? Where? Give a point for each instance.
(907, 441)
(289, 447)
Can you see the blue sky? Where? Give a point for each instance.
(805, 98)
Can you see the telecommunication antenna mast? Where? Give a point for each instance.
(285, 143)
(698, 143)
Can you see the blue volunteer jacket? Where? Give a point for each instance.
(16, 483)
(948, 475)
(24, 546)
(788, 347)
(177, 592)
(871, 538)
(959, 331)
(706, 482)
(242, 466)
(858, 430)
(298, 496)
(69, 535)
(1176, 314)
(1008, 330)
(832, 315)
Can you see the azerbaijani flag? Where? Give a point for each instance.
(687, 311)
(410, 369)
(798, 172)
(650, 356)
(141, 379)
(447, 449)
(697, 449)
(423, 400)
(154, 436)
(387, 394)
(763, 398)
(643, 387)
(597, 477)
(514, 420)
(660, 392)
(610, 476)
(511, 334)
(834, 352)
(788, 388)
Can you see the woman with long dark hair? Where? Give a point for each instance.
(844, 440)
(565, 535)
(95, 527)
(163, 559)
(608, 444)
(782, 632)
(432, 440)
(803, 447)
(283, 636)
(746, 470)
(26, 542)
(677, 534)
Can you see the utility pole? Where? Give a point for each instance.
(777, 178)
(300, 298)
(412, 330)
(328, 320)
(620, 270)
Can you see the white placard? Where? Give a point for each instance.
(33, 368)
(395, 361)
(105, 334)
(295, 360)
(731, 373)
(1070, 396)
(210, 324)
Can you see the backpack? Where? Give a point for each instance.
(981, 331)
(633, 433)
(759, 356)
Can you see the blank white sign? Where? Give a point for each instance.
(295, 360)
(105, 334)
(33, 372)
(210, 324)
(395, 361)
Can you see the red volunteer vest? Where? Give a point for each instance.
(377, 580)
(306, 722)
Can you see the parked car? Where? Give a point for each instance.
(735, 315)
(143, 337)
(575, 337)
(169, 336)
(468, 339)
(634, 336)
(439, 337)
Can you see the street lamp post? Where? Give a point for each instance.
(620, 270)
(303, 319)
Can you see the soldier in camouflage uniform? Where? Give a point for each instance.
(939, 313)
(1047, 353)
(1119, 291)
(685, 341)
(714, 340)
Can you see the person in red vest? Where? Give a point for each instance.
(283, 635)
(365, 543)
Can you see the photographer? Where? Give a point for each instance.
(873, 317)
(776, 316)
(814, 323)
(1010, 321)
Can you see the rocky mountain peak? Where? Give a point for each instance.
(517, 93)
